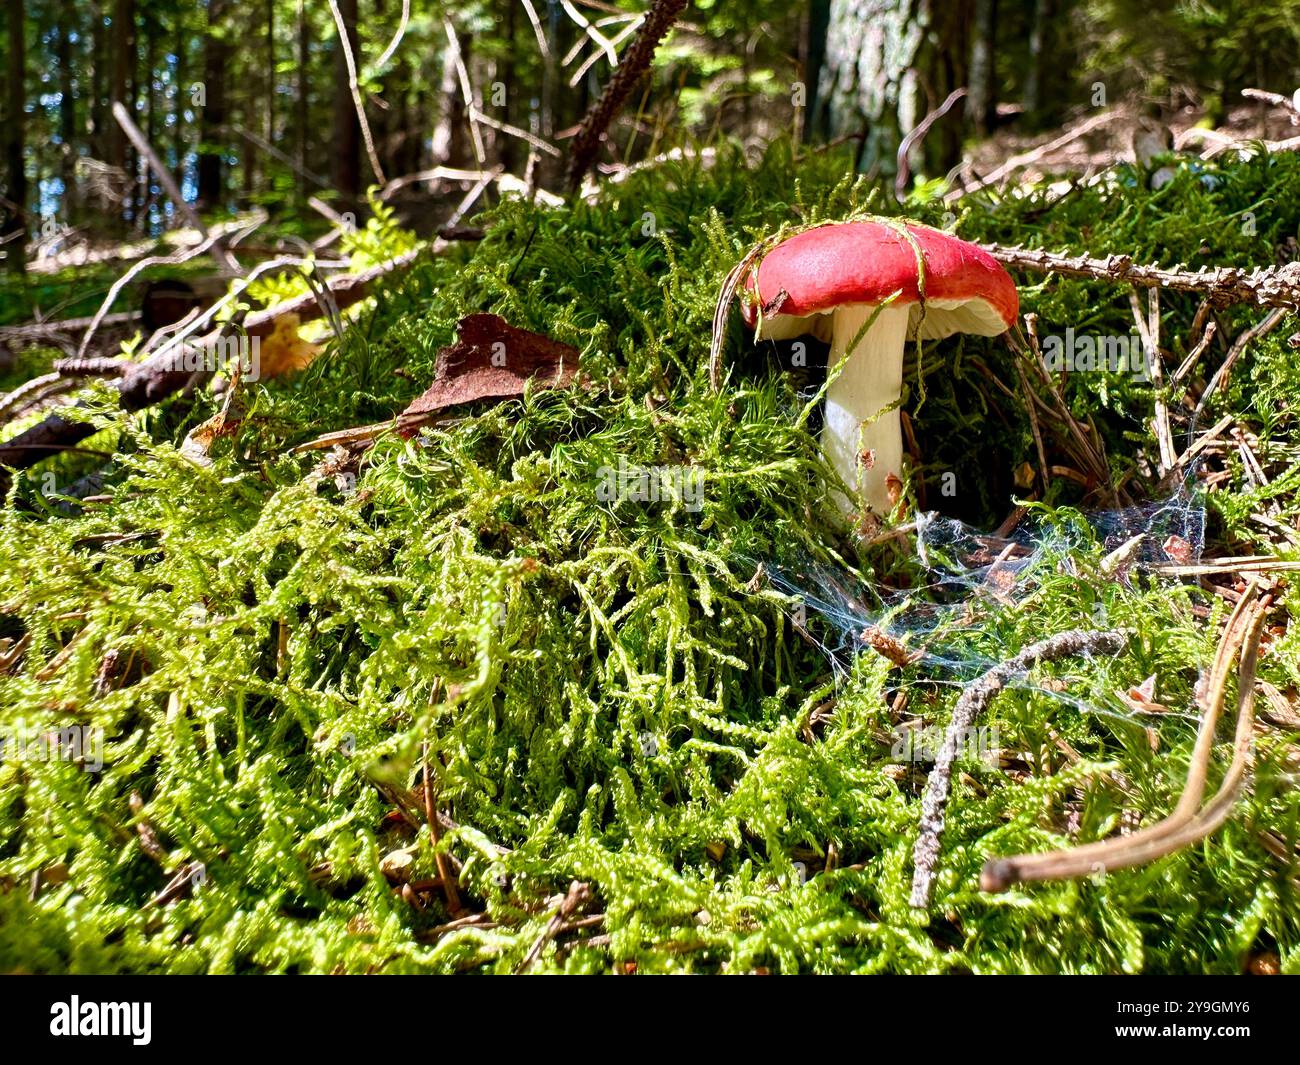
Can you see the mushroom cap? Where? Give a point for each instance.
(820, 269)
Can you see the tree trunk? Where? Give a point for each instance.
(98, 54)
(268, 130)
(449, 144)
(212, 112)
(887, 64)
(15, 221)
(509, 147)
(151, 30)
(347, 131)
(119, 73)
(182, 91)
(812, 56)
(981, 102)
(1048, 72)
(67, 113)
(301, 104)
(1032, 98)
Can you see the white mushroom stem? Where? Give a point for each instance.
(864, 445)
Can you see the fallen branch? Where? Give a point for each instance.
(1274, 286)
(1287, 104)
(93, 367)
(658, 21)
(39, 330)
(33, 393)
(577, 896)
(1035, 154)
(1184, 826)
(160, 376)
(971, 704)
(505, 182)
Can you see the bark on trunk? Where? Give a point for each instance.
(887, 64)
(347, 131)
(301, 104)
(15, 221)
(212, 113)
(981, 101)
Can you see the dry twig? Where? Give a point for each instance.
(1274, 286)
(658, 21)
(971, 704)
(1185, 825)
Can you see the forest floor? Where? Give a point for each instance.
(378, 704)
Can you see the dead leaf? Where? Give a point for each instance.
(491, 360)
(198, 442)
(1142, 698)
(889, 647)
(1178, 549)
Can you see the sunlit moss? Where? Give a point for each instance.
(601, 688)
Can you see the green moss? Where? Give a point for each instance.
(601, 689)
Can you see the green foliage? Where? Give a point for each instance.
(603, 692)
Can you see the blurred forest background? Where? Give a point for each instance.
(254, 105)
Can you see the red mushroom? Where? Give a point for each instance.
(828, 281)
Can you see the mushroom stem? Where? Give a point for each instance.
(864, 445)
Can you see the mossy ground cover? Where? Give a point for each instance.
(602, 690)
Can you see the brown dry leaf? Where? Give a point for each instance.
(1142, 698)
(1281, 710)
(889, 647)
(198, 442)
(396, 865)
(1178, 549)
(491, 360)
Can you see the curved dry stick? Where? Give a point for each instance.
(136, 267)
(33, 393)
(1184, 825)
(466, 91)
(397, 37)
(602, 42)
(351, 61)
(537, 29)
(914, 137)
(594, 58)
(972, 702)
(658, 21)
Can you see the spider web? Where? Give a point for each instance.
(945, 620)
